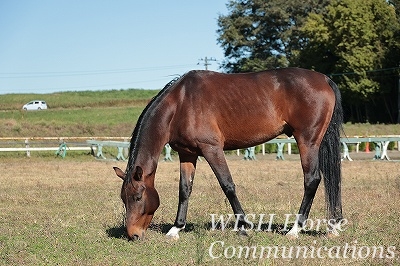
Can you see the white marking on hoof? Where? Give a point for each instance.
(333, 232)
(173, 233)
(294, 232)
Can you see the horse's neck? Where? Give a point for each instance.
(148, 154)
(152, 139)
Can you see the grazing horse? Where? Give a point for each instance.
(204, 113)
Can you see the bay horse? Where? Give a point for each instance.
(204, 113)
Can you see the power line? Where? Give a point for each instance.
(98, 86)
(11, 75)
(207, 61)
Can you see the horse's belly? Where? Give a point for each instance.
(251, 135)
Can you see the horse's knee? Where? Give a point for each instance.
(229, 189)
(185, 191)
(185, 188)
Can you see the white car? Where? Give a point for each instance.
(35, 105)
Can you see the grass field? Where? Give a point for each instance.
(68, 212)
(102, 113)
(74, 114)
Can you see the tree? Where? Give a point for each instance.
(356, 42)
(351, 40)
(393, 59)
(259, 34)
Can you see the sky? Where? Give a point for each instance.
(51, 46)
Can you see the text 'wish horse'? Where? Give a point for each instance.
(204, 113)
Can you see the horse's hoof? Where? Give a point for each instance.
(242, 233)
(292, 236)
(173, 233)
(331, 235)
(172, 237)
(294, 232)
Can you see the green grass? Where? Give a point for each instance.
(106, 121)
(74, 114)
(83, 99)
(101, 113)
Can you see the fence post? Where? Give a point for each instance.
(28, 152)
(126, 150)
(167, 156)
(62, 150)
(279, 155)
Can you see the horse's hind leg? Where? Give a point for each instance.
(187, 170)
(312, 178)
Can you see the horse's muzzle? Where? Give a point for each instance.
(136, 236)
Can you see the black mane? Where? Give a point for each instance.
(132, 148)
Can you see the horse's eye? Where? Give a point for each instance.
(137, 198)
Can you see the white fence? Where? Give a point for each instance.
(62, 145)
(59, 145)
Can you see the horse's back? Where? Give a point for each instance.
(251, 88)
(250, 108)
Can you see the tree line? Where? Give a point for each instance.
(354, 42)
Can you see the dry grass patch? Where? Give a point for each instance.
(55, 211)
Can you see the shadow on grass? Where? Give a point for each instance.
(275, 228)
(119, 231)
(163, 228)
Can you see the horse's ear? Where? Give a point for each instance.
(119, 173)
(138, 173)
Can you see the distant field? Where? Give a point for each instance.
(81, 99)
(68, 212)
(74, 114)
(101, 113)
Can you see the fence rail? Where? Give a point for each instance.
(43, 144)
(121, 143)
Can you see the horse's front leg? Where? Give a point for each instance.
(216, 159)
(187, 170)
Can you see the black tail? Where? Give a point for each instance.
(330, 159)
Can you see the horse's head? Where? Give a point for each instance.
(140, 201)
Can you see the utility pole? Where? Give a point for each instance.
(207, 61)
